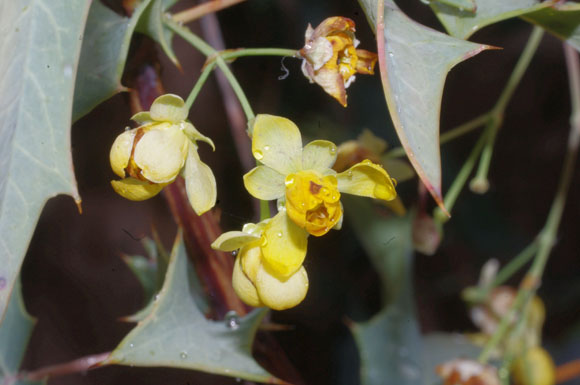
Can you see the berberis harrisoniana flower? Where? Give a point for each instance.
(302, 178)
(268, 269)
(331, 59)
(152, 155)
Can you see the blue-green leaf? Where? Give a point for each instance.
(176, 334)
(105, 46)
(39, 53)
(14, 334)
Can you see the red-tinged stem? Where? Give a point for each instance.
(213, 267)
(203, 9)
(76, 366)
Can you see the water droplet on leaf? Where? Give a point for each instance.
(258, 154)
(183, 355)
(232, 320)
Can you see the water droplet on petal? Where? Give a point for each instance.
(235, 253)
(279, 234)
(266, 148)
(258, 154)
(289, 181)
(264, 241)
(232, 320)
(332, 150)
(349, 174)
(131, 346)
(183, 355)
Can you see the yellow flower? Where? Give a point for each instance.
(152, 155)
(302, 179)
(534, 367)
(268, 269)
(331, 59)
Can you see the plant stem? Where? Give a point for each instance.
(208, 50)
(203, 9)
(233, 54)
(459, 181)
(547, 235)
(480, 183)
(479, 294)
(198, 85)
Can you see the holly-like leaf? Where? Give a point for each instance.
(14, 334)
(461, 5)
(176, 334)
(462, 24)
(39, 52)
(414, 61)
(562, 20)
(152, 25)
(390, 344)
(105, 46)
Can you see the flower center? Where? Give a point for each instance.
(313, 201)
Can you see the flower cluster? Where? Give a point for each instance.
(152, 155)
(331, 59)
(308, 192)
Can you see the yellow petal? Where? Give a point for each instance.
(277, 143)
(283, 245)
(250, 261)
(319, 155)
(280, 294)
(168, 108)
(243, 287)
(366, 62)
(199, 182)
(193, 134)
(161, 153)
(233, 240)
(264, 183)
(135, 189)
(121, 152)
(141, 118)
(367, 179)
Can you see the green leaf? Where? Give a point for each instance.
(15, 332)
(463, 24)
(389, 343)
(39, 52)
(152, 25)
(461, 5)
(104, 52)
(417, 60)
(176, 334)
(562, 20)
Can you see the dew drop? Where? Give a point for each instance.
(307, 46)
(258, 154)
(183, 355)
(279, 234)
(391, 54)
(289, 181)
(131, 346)
(349, 174)
(266, 148)
(67, 71)
(264, 241)
(235, 253)
(332, 150)
(232, 320)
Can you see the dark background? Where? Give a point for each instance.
(77, 286)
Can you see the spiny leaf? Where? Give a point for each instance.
(152, 25)
(176, 334)
(414, 62)
(14, 334)
(39, 52)
(105, 46)
(461, 5)
(389, 344)
(463, 24)
(562, 20)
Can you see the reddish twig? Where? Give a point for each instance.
(203, 9)
(75, 366)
